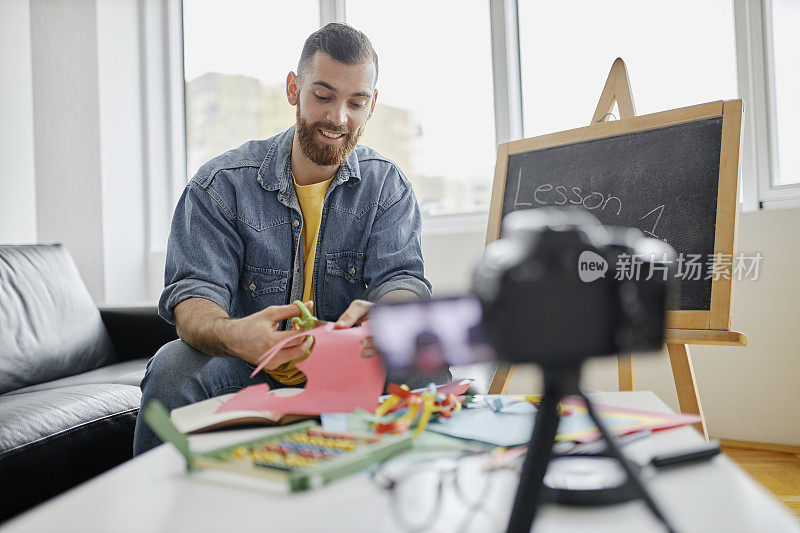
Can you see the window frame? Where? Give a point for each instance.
(164, 151)
(755, 70)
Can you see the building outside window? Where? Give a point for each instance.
(236, 58)
(435, 113)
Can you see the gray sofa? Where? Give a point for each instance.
(69, 376)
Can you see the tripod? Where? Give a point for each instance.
(561, 381)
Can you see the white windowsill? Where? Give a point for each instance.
(455, 223)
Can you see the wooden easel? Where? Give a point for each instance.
(716, 325)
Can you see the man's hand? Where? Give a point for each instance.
(355, 313)
(206, 326)
(249, 338)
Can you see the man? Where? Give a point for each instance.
(306, 214)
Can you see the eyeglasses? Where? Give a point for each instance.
(417, 487)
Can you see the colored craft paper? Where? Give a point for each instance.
(338, 379)
(514, 424)
(455, 387)
(484, 425)
(618, 420)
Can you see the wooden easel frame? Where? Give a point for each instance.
(685, 327)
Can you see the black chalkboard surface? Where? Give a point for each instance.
(667, 174)
(662, 181)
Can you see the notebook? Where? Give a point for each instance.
(203, 416)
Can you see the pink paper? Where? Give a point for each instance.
(338, 379)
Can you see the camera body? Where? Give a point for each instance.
(550, 293)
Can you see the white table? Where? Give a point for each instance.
(154, 493)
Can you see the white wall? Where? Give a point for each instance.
(754, 389)
(74, 131)
(66, 133)
(747, 393)
(17, 187)
(450, 258)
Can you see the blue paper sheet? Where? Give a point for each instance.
(514, 424)
(512, 427)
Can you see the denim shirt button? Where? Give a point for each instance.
(252, 286)
(296, 223)
(352, 271)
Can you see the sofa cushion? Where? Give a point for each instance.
(51, 327)
(33, 418)
(124, 373)
(52, 440)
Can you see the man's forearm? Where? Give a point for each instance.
(203, 324)
(206, 326)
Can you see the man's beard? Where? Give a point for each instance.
(325, 155)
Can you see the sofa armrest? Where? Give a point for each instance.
(136, 332)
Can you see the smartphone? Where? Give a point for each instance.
(426, 337)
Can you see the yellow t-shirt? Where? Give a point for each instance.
(311, 198)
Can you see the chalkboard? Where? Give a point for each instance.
(661, 173)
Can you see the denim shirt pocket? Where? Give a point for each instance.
(344, 274)
(349, 265)
(259, 281)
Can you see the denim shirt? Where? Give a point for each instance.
(236, 236)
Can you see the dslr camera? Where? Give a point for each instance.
(559, 287)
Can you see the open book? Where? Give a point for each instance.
(202, 416)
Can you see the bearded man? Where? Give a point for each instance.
(306, 215)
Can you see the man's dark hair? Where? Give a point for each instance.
(340, 41)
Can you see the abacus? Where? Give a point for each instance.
(304, 454)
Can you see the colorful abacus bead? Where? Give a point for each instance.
(239, 453)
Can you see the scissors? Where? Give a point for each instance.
(306, 320)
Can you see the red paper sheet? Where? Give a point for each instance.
(338, 379)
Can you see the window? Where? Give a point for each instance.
(434, 115)
(236, 57)
(678, 53)
(785, 47)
